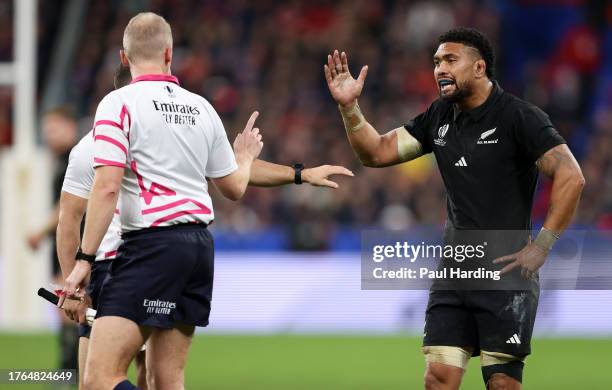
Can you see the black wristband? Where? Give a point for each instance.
(82, 256)
(298, 173)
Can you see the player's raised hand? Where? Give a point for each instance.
(342, 86)
(319, 176)
(248, 143)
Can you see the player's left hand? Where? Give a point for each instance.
(319, 176)
(530, 259)
(74, 286)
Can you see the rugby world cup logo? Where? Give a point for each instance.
(442, 130)
(441, 133)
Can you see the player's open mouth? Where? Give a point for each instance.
(445, 85)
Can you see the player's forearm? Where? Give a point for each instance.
(267, 174)
(363, 137)
(566, 190)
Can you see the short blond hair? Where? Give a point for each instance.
(146, 37)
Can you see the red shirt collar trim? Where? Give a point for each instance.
(156, 77)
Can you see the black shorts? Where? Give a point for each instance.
(98, 274)
(161, 277)
(494, 321)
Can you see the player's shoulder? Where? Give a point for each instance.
(517, 108)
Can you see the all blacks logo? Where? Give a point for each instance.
(441, 133)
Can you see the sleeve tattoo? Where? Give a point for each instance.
(554, 159)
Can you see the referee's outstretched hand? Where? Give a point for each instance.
(343, 87)
(74, 286)
(248, 143)
(530, 259)
(319, 176)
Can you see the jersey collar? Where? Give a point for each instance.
(156, 77)
(477, 113)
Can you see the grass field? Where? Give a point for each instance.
(337, 362)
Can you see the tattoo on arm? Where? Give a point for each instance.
(552, 160)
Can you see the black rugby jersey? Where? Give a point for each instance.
(486, 157)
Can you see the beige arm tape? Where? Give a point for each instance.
(352, 117)
(451, 356)
(546, 239)
(490, 358)
(408, 147)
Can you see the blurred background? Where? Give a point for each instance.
(288, 258)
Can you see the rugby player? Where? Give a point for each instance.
(76, 188)
(489, 146)
(155, 144)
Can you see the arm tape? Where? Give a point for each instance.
(352, 117)
(546, 239)
(408, 147)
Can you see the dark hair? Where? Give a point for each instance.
(122, 76)
(473, 38)
(65, 111)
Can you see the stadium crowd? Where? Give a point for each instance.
(269, 56)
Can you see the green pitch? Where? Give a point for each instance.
(337, 362)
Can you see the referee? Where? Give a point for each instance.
(155, 146)
(489, 146)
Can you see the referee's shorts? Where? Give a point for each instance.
(161, 277)
(98, 274)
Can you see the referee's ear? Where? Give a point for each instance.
(167, 55)
(123, 58)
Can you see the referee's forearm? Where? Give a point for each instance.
(67, 240)
(267, 174)
(242, 176)
(100, 211)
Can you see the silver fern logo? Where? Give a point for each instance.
(487, 133)
(483, 137)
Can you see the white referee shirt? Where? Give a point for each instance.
(168, 140)
(78, 181)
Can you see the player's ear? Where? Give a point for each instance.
(123, 58)
(480, 68)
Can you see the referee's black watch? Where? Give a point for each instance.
(82, 256)
(298, 173)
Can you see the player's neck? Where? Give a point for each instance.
(480, 95)
(144, 69)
